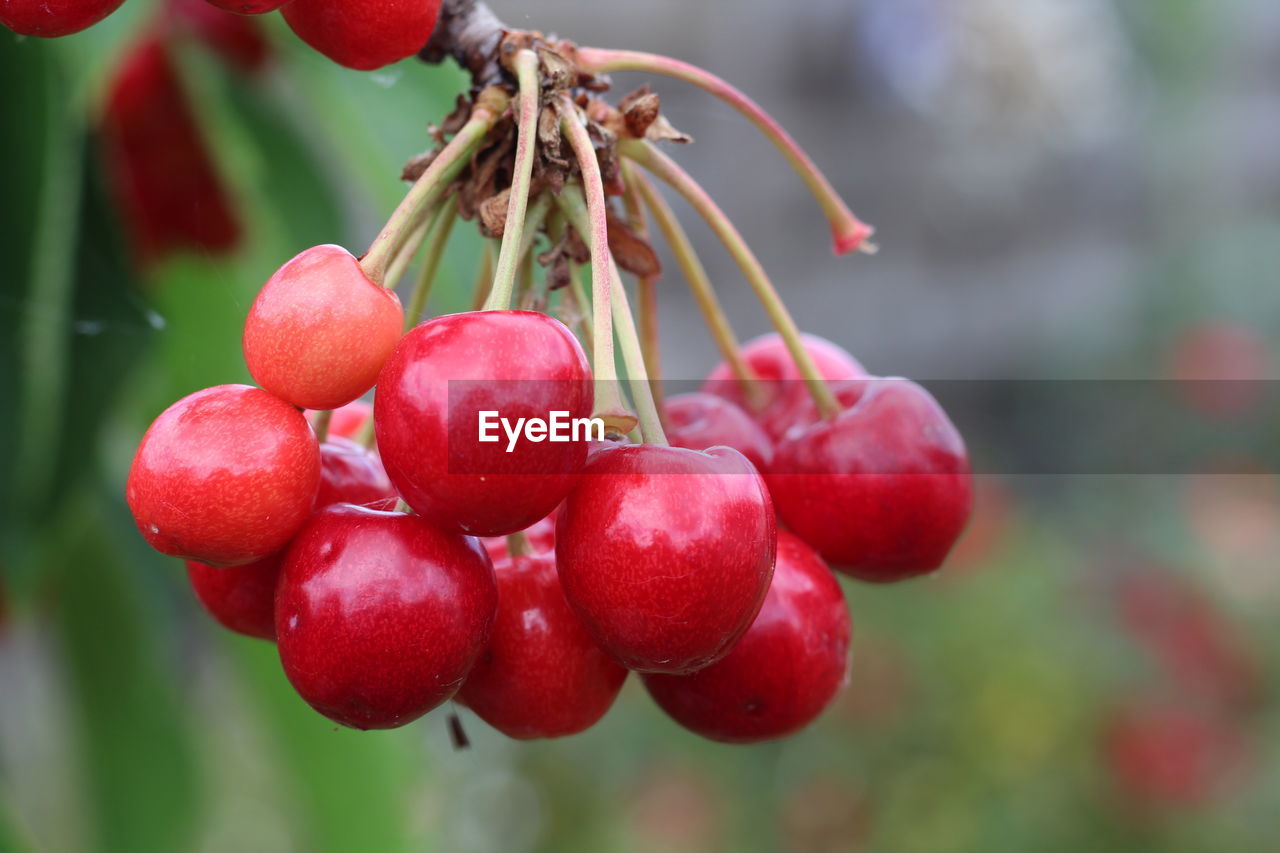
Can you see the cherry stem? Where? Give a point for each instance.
(504, 279)
(647, 298)
(484, 276)
(594, 226)
(667, 170)
(440, 228)
(575, 208)
(517, 544)
(848, 232)
(320, 424)
(405, 257)
(427, 190)
(366, 436)
(583, 307)
(713, 313)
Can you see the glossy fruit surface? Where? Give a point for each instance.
(883, 490)
(542, 674)
(783, 672)
(224, 476)
(352, 475)
(363, 34)
(247, 7)
(241, 598)
(698, 421)
(380, 616)
(519, 364)
(320, 330)
(666, 553)
(53, 18)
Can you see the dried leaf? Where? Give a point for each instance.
(493, 213)
(631, 253)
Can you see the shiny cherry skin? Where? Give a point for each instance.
(782, 390)
(542, 674)
(363, 34)
(54, 18)
(666, 553)
(520, 364)
(347, 421)
(883, 490)
(352, 475)
(785, 670)
(698, 421)
(320, 330)
(224, 476)
(241, 598)
(380, 615)
(247, 7)
(540, 538)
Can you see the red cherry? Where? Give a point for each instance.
(782, 388)
(224, 476)
(53, 18)
(783, 672)
(242, 598)
(238, 40)
(883, 490)
(698, 421)
(541, 538)
(320, 330)
(248, 7)
(520, 364)
(160, 170)
(349, 474)
(666, 553)
(542, 675)
(380, 615)
(364, 34)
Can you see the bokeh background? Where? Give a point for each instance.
(1064, 189)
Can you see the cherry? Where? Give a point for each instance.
(666, 553)
(783, 672)
(698, 421)
(320, 330)
(224, 476)
(352, 475)
(542, 675)
(380, 615)
(242, 598)
(782, 390)
(541, 538)
(248, 7)
(883, 490)
(363, 34)
(446, 371)
(53, 18)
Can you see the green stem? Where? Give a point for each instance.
(848, 232)
(583, 305)
(396, 271)
(517, 544)
(484, 276)
(526, 68)
(320, 424)
(440, 229)
(646, 296)
(366, 437)
(666, 169)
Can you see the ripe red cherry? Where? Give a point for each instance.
(782, 391)
(698, 421)
(349, 474)
(540, 538)
(666, 553)
(783, 672)
(542, 674)
(883, 490)
(380, 615)
(53, 18)
(320, 330)
(248, 7)
(224, 476)
(364, 34)
(242, 598)
(520, 364)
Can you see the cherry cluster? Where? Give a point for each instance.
(399, 560)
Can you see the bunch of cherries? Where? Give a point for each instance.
(399, 560)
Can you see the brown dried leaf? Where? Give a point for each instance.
(662, 131)
(493, 213)
(417, 165)
(631, 253)
(640, 110)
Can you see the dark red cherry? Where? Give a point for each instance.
(53, 18)
(666, 553)
(364, 34)
(698, 421)
(541, 538)
(427, 412)
(224, 476)
(783, 672)
(542, 674)
(883, 490)
(242, 598)
(248, 7)
(380, 615)
(349, 474)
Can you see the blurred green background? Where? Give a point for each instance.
(1063, 190)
